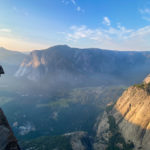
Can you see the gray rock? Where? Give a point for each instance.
(7, 139)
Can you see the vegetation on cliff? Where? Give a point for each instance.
(47, 143)
(144, 86)
(116, 140)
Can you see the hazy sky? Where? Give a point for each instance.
(109, 24)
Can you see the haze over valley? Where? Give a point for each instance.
(45, 91)
(74, 75)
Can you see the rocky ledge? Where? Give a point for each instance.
(7, 138)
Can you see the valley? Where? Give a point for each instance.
(74, 75)
(58, 97)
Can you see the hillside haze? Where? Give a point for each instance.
(76, 75)
(45, 91)
(84, 66)
(10, 60)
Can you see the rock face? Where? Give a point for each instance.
(147, 79)
(63, 62)
(131, 116)
(7, 139)
(102, 135)
(80, 141)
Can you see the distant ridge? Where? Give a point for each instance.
(61, 61)
(10, 60)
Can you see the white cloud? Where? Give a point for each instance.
(146, 18)
(79, 33)
(106, 21)
(5, 30)
(144, 11)
(73, 2)
(145, 14)
(78, 8)
(119, 38)
(66, 2)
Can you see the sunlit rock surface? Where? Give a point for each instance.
(132, 116)
(147, 79)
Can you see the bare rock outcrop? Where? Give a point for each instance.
(147, 79)
(129, 117)
(133, 116)
(80, 140)
(7, 139)
(102, 135)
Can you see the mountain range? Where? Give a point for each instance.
(65, 64)
(75, 105)
(10, 60)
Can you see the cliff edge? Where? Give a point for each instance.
(7, 139)
(126, 124)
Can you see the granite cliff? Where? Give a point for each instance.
(62, 63)
(127, 123)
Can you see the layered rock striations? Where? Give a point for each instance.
(129, 118)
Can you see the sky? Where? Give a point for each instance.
(27, 25)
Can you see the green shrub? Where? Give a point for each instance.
(47, 143)
(144, 86)
(141, 85)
